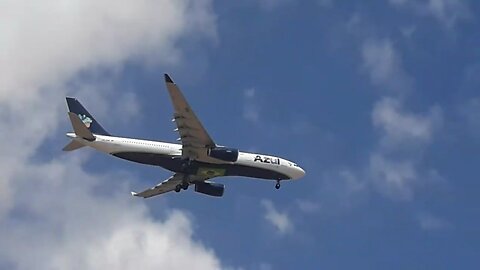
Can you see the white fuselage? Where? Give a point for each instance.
(246, 161)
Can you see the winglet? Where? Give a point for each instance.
(168, 79)
(134, 193)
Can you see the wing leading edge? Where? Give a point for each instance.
(193, 136)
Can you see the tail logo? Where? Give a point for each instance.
(86, 120)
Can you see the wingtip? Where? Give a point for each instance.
(168, 79)
(134, 193)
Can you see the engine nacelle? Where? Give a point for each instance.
(210, 188)
(223, 153)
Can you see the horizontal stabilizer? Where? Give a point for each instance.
(73, 145)
(80, 128)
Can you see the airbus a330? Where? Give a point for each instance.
(195, 161)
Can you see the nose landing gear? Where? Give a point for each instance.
(277, 186)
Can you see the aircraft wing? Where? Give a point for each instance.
(195, 139)
(167, 185)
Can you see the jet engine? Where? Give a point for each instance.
(210, 188)
(223, 153)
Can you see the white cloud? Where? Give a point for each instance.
(400, 126)
(341, 190)
(394, 164)
(398, 2)
(281, 221)
(66, 218)
(53, 214)
(325, 3)
(272, 4)
(251, 111)
(384, 65)
(447, 12)
(408, 31)
(393, 178)
(265, 266)
(428, 222)
(123, 106)
(44, 43)
(471, 113)
(307, 206)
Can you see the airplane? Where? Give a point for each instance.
(195, 161)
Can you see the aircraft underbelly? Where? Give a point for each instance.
(176, 164)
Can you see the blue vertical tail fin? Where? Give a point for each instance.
(76, 107)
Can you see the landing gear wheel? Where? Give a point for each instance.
(185, 186)
(277, 186)
(178, 188)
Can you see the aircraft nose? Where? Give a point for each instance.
(299, 173)
(302, 172)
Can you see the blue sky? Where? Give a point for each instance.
(377, 101)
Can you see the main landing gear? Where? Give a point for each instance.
(277, 186)
(179, 187)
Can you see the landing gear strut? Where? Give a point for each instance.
(186, 165)
(277, 186)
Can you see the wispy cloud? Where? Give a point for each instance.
(429, 222)
(384, 65)
(342, 190)
(123, 106)
(447, 12)
(470, 111)
(251, 111)
(399, 126)
(308, 206)
(325, 3)
(273, 4)
(393, 178)
(280, 221)
(395, 163)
